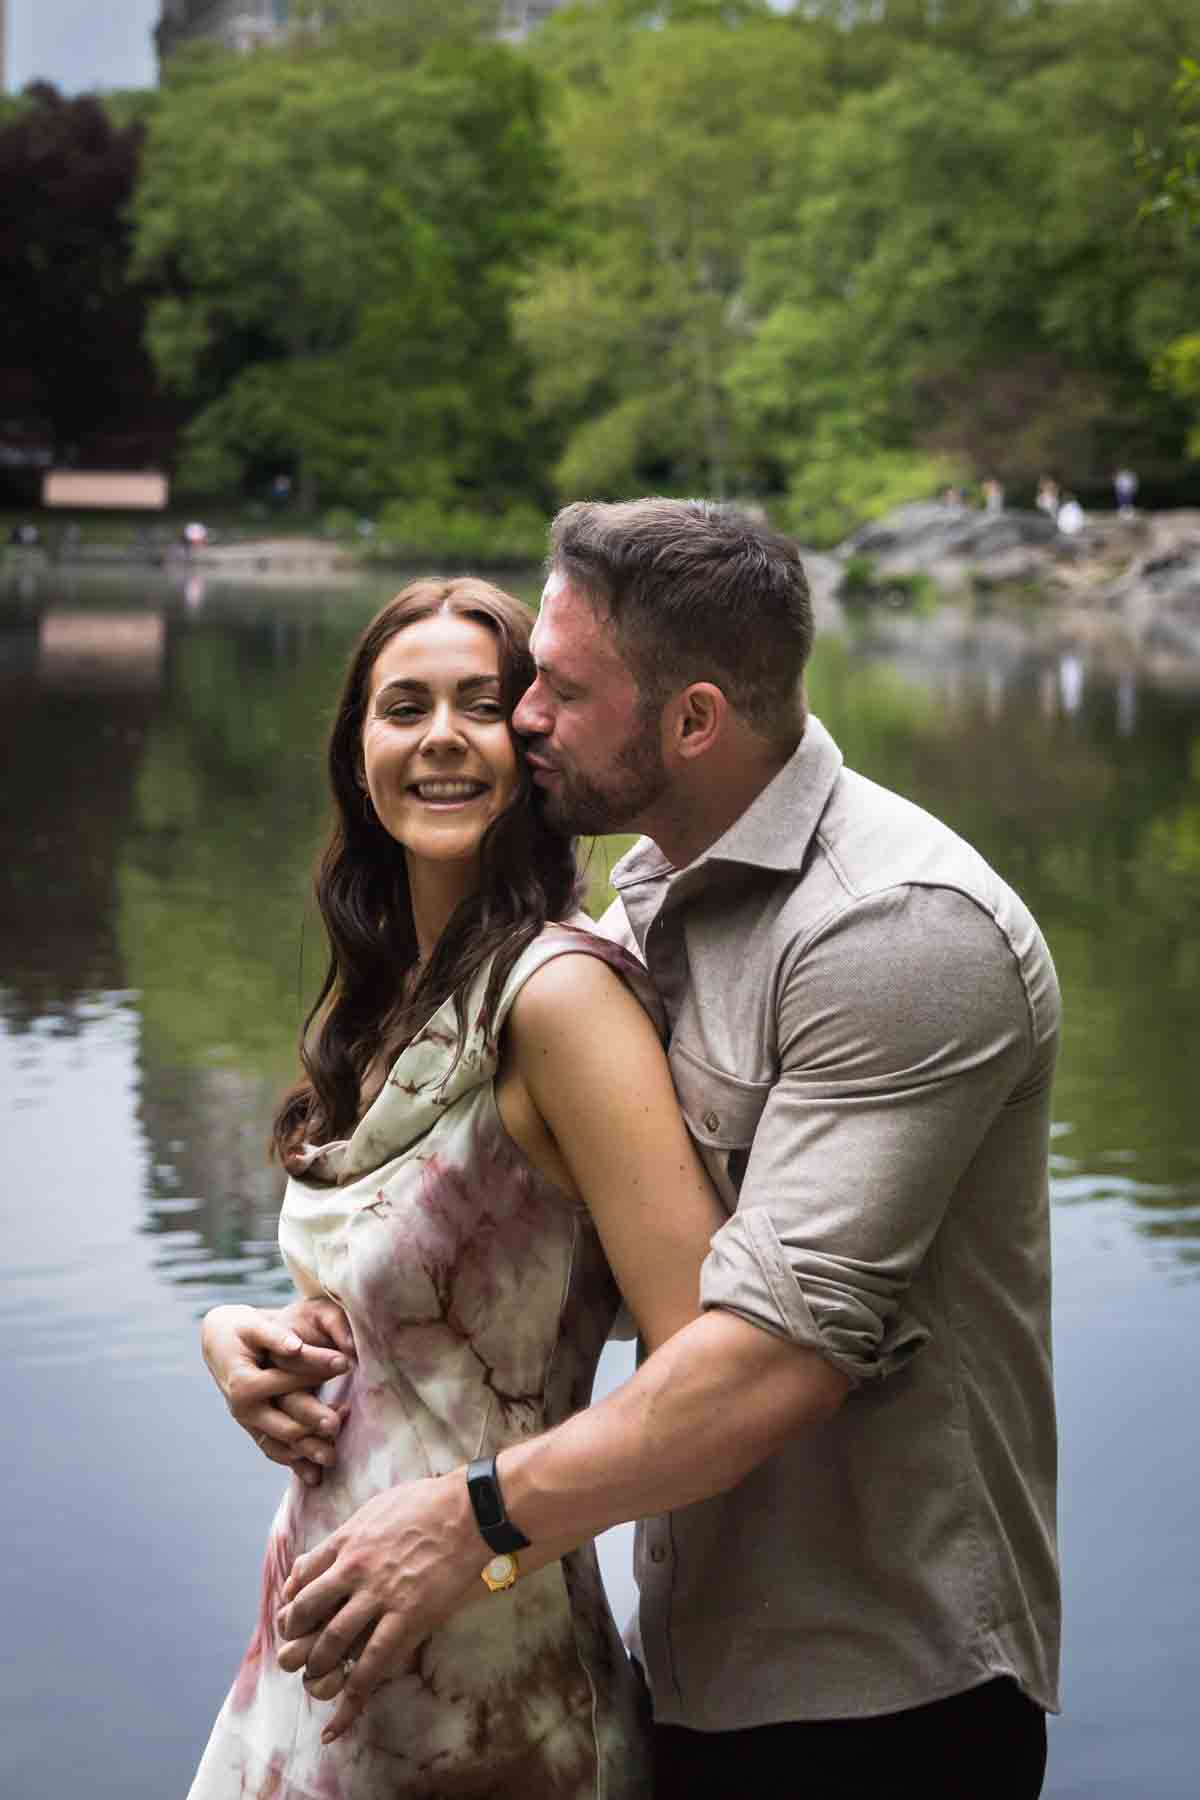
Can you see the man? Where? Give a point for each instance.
(845, 1466)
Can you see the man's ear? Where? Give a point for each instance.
(698, 716)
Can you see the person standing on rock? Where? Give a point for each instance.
(1071, 518)
(1125, 486)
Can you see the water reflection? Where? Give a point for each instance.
(87, 652)
(1091, 806)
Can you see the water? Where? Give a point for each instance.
(163, 798)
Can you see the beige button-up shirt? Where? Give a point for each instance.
(864, 1021)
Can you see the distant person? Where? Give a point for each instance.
(1047, 495)
(281, 490)
(952, 496)
(25, 536)
(195, 536)
(1125, 486)
(993, 495)
(1070, 516)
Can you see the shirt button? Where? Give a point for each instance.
(658, 1554)
(710, 1121)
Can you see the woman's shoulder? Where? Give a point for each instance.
(570, 965)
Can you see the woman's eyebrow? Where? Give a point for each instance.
(406, 684)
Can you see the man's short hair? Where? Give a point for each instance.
(696, 591)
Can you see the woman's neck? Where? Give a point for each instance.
(435, 890)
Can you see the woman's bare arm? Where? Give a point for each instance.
(591, 1063)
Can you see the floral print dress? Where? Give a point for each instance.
(480, 1299)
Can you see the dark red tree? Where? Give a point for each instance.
(74, 376)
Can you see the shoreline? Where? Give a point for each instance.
(1126, 591)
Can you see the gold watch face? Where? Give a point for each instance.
(500, 1573)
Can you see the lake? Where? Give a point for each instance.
(162, 756)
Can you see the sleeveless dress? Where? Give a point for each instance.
(480, 1299)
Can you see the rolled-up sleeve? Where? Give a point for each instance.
(904, 1029)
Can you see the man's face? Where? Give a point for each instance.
(595, 747)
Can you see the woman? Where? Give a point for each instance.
(487, 1126)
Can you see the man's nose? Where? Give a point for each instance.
(530, 716)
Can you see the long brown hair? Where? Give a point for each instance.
(528, 875)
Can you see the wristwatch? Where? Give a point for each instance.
(495, 1527)
(500, 1573)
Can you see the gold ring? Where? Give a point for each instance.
(347, 1667)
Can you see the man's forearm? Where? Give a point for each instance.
(709, 1405)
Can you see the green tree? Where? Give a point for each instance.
(1171, 170)
(949, 276)
(899, 267)
(341, 236)
(667, 136)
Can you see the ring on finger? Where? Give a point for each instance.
(347, 1667)
(260, 1438)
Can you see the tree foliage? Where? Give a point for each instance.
(1172, 173)
(339, 240)
(667, 137)
(832, 258)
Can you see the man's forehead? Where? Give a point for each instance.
(574, 637)
(556, 581)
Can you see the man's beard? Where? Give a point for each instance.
(587, 807)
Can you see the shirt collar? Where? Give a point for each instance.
(776, 828)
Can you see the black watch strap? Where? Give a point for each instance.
(495, 1527)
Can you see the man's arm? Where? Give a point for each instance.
(707, 1407)
(711, 1404)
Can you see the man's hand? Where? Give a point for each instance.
(268, 1363)
(376, 1588)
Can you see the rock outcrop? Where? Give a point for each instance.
(1131, 581)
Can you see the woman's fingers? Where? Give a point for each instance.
(312, 1415)
(327, 1317)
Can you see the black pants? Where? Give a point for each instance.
(987, 1744)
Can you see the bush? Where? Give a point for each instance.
(422, 530)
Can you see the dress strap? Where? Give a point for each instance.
(579, 938)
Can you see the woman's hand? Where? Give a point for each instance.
(268, 1364)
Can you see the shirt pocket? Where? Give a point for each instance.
(721, 1111)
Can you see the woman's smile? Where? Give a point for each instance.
(441, 791)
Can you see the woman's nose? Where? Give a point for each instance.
(444, 730)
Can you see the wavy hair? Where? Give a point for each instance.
(528, 875)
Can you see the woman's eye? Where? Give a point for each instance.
(486, 709)
(405, 712)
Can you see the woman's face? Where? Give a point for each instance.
(438, 756)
